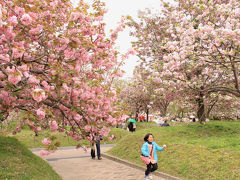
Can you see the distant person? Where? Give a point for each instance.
(130, 127)
(124, 126)
(165, 123)
(93, 149)
(134, 127)
(194, 120)
(149, 149)
(173, 120)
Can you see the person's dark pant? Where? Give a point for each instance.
(150, 168)
(98, 150)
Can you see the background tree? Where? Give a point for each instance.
(177, 46)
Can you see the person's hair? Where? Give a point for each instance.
(147, 136)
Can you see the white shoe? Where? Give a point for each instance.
(146, 177)
(150, 176)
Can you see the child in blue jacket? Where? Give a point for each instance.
(149, 149)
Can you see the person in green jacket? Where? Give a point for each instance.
(150, 149)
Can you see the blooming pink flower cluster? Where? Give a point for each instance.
(14, 76)
(41, 113)
(45, 152)
(26, 19)
(104, 131)
(53, 126)
(111, 138)
(46, 142)
(87, 128)
(38, 95)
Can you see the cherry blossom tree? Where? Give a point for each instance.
(134, 98)
(58, 65)
(226, 108)
(146, 92)
(208, 31)
(204, 43)
(142, 80)
(193, 46)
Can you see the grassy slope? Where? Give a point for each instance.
(194, 151)
(28, 138)
(17, 162)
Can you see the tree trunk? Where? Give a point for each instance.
(163, 108)
(163, 114)
(147, 114)
(201, 108)
(137, 112)
(211, 107)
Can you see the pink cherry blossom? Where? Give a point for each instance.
(60, 129)
(46, 142)
(87, 128)
(36, 30)
(38, 129)
(26, 19)
(20, 11)
(41, 113)
(0, 11)
(53, 126)
(111, 138)
(4, 57)
(38, 95)
(18, 129)
(14, 79)
(13, 20)
(31, 124)
(26, 121)
(104, 131)
(33, 80)
(44, 152)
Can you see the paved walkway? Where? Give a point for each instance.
(73, 164)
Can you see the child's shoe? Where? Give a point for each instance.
(146, 177)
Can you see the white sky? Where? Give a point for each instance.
(117, 8)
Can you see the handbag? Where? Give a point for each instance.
(146, 160)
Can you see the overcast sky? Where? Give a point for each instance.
(117, 8)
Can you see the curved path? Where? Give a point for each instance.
(75, 164)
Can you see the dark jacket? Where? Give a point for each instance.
(130, 126)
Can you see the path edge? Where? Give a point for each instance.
(157, 173)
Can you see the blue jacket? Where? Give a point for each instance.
(145, 150)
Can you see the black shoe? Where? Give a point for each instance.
(99, 158)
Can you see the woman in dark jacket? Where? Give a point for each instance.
(130, 127)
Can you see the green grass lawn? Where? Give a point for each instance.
(17, 162)
(143, 125)
(28, 138)
(194, 151)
